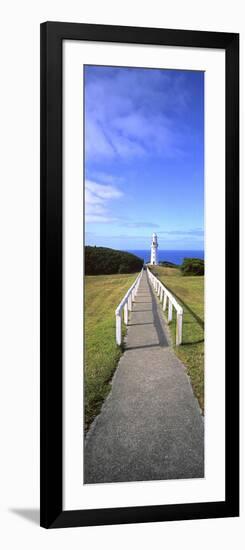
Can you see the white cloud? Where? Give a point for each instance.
(98, 218)
(97, 201)
(102, 191)
(106, 178)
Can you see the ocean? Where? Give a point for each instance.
(174, 256)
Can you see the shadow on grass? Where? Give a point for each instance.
(188, 308)
(198, 319)
(192, 343)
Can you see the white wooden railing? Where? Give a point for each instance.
(166, 297)
(126, 305)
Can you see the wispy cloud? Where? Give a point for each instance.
(122, 112)
(140, 224)
(104, 177)
(97, 199)
(198, 232)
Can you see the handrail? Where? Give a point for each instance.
(166, 296)
(126, 305)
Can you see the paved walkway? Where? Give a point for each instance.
(150, 426)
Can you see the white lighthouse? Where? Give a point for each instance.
(154, 247)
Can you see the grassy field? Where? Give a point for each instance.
(189, 292)
(103, 293)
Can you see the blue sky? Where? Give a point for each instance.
(144, 158)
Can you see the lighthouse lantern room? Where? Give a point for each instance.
(154, 247)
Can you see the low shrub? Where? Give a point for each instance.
(192, 266)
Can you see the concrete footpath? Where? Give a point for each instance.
(150, 426)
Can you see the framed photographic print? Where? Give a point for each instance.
(139, 274)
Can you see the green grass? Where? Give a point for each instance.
(103, 293)
(189, 292)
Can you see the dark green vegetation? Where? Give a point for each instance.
(102, 296)
(189, 292)
(106, 261)
(192, 266)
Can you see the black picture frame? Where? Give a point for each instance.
(52, 35)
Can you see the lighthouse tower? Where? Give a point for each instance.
(154, 247)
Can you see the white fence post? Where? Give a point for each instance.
(179, 329)
(125, 309)
(161, 294)
(164, 301)
(170, 310)
(130, 302)
(119, 329)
